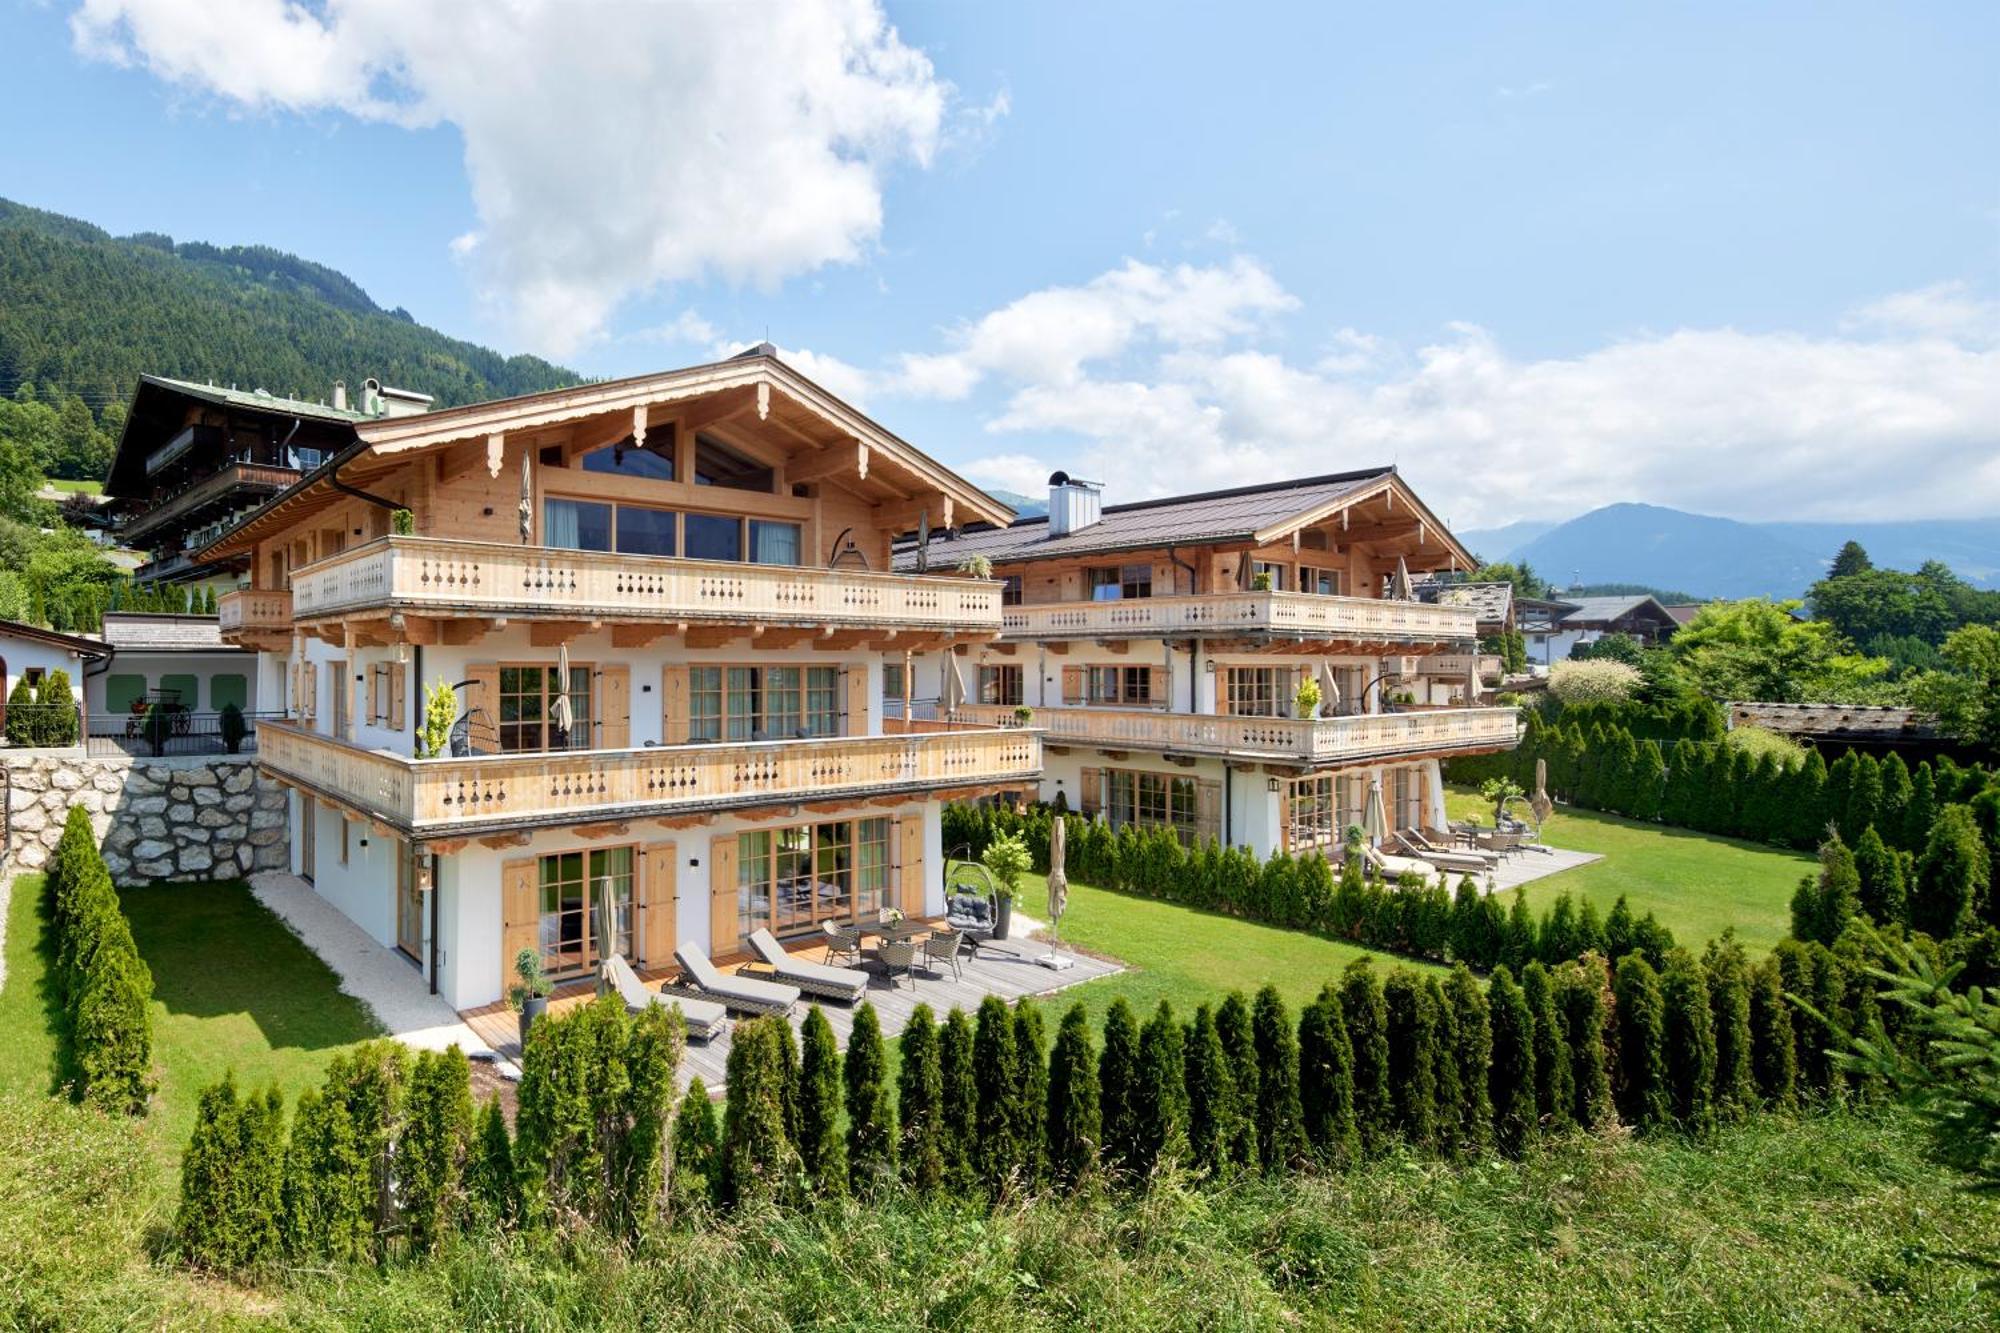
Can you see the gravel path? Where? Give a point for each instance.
(376, 975)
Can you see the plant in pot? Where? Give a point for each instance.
(403, 523)
(1305, 699)
(1023, 715)
(1261, 581)
(233, 728)
(1500, 791)
(159, 729)
(1007, 859)
(976, 567)
(529, 995)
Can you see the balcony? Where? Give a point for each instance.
(429, 576)
(254, 613)
(237, 485)
(491, 794)
(1314, 741)
(1293, 615)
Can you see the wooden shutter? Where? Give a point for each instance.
(1093, 790)
(722, 862)
(482, 698)
(1156, 688)
(308, 691)
(520, 914)
(614, 707)
(659, 904)
(910, 873)
(374, 695)
(1208, 809)
(399, 701)
(1072, 684)
(674, 705)
(857, 702)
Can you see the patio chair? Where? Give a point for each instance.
(745, 995)
(1467, 863)
(940, 950)
(842, 941)
(897, 956)
(832, 983)
(704, 1018)
(973, 919)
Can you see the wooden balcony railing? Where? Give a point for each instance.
(1308, 615)
(1317, 740)
(1453, 666)
(254, 610)
(487, 793)
(441, 576)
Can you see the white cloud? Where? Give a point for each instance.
(610, 148)
(686, 327)
(1024, 474)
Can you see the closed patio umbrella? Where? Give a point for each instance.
(1375, 818)
(1474, 687)
(562, 713)
(1399, 587)
(954, 686)
(604, 929)
(1540, 802)
(1058, 891)
(527, 507)
(1329, 690)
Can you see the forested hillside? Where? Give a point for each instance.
(83, 313)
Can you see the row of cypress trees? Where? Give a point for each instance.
(105, 987)
(42, 712)
(1943, 894)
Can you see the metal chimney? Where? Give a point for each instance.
(1074, 504)
(340, 395)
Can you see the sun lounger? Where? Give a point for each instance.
(833, 983)
(704, 1018)
(1395, 867)
(1422, 844)
(1468, 863)
(745, 995)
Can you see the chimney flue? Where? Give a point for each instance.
(1074, 504)
(340, 395)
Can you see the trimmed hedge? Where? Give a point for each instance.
(106, 988)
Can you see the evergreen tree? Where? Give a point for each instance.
(1074, 1130)
(1518, 943)
(871, 1119)
(1210, 1093)
(1366, 1011)
(372, 1078)
(1326, 1081)
(1920, 811)
(996, 1075)
(1444, 1062)
(1840, 776)
(492, 1189)
(1642, 1091)
(1819, 1022)
(430, 1155)
(1884, 897)
(788, 1074)
(1774, 1062)
(1031, 1090)
(1647, 782)
(1159, 1100)
(1470, 942)
(1239, 1045)
(1558, 938)
(1688, 1030)
(1864, 798)
(1413, 1040)
(1589, 930)
(1728, 973)
(1117, 1079)
(328, 1207)
(1896, 793)
(1555, 1089)
(1952, 875)
(822, 1151)
(206, 1227)
(758, 1160)
(260, 1173)
(1470, 1124)
(1808, 802)
(1581, 995)
(920, 1104)
(1822, 906)
(1619, 930)
(1511, 1078)
(1280, 1141)
(960, 1116)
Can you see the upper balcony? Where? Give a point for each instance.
(1314, 741)
(1300, 616)
(250, 615)
(446, 578)
(506, 794)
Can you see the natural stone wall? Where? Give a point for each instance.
(181, 818)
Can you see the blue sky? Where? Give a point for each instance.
(1732, 258)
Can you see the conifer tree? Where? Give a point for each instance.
(260, 1173)
(1444, 1061)
(1864, 798)
(1471, 1121)
(871, 1119)
(1326, 1081)
(1774, 1061)
(1210, 1091)
(1920, 811)
(1031, 1091)
(788, 1072)
(1555, 1089)
(1413, 1040)
(1580, 994)
(1074, 1130)
(1557, 941)
(328, 1206)
(1589, 930)
(1895, 805)
(1688, 1029)
(822, 1151)
(1840, 775)
(1952, 875)
(1280, 1141)
(1619, 930)
(1159, 1094)
(758, 1162)
(960, 1115)
(1239, 1045)
(1366, 1011)
(493, 1191)
(1518, 944)
(1884, 897)
(1511, 1078)
(1728, 973)
(430, 1153)
(1468, 925)
(920, 1104)
(1117, 1078)
(1648, 781)
(1807, 803)
(1819, 1026)
(1642, 1092)
(996, 1075)
(206, 1227)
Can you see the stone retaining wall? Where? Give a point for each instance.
(180, 818)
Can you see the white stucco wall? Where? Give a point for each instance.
(203, 666)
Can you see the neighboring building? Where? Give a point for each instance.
(193, 459)
(1493, 603)
(1160, 646)
(28, 652)
(709, 549)
(1683, 612)
(177, 660)
(1553, 627)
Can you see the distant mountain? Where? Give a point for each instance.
(1723, 557)
(1024, 505)
(1500, 543)
(84, 313)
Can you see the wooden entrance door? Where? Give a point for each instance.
(409, 905)
(308, 836)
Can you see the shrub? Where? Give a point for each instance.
(1774, 1063)
(759, 1162)
(1413, 1058)
(1279, 1140)
(1117, 1088)
(1366, 1012)
(1884, 895)
(1688, 1030)
(1952, 875)
(997, 1077)
(112, 1026)
(328, 1199)
(822, 1153)
(1728, 973)
(231, 1182)
(1074, 1131)
(55, 710)
(23, 718)
(1030, 1101)
(1823, 906)
(1555, 1088)
(1008, 858)
(1239, 1046)
(1583, 998)
(960, 1112)
(440, 712)
(430, 1155)
(1510, 1081)
(1642, 1088)
(1326, 1081)
(1588, 682)
(493, 1192)
(871, 1120)
(920, 1104)
(1159, 1100)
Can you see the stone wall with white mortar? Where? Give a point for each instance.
(179, 818)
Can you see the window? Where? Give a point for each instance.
(774, 543)
(1157, 800)
(1117, 582)
(345, 829)
(1118, 685)
(643, 531)
(1259, 691)
(570, 885)
(528, 697)
(713, 537)
(336, 679)
(385, 694)
(1277, 572)
(576, 525)
(747, 703)
(1322, 808)
(653, 461)
(718, 464)
(789, 880)
(892, 680)
(1000, 684)
(1324, 582)
(1010, 590)
(184, 690)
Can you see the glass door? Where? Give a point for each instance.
(409, 906)
(572, 883)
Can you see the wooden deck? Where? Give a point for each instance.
(1007, 969)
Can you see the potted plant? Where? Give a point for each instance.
(402, 522)
(233, 728)
(1007, 859)
(976, 567)
(1261, 581)
(1305, 699)
(440, 711)
(1023, 715)
(1500, 791)
(529, 995)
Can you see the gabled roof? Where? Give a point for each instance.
(260, 400)
(153, 409)
(157, 632)
(1600, 610)
(75, 643)
(1256, 514)
(1493, 602)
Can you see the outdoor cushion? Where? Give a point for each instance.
(746, 993)
(820, 979)
(704, 1018)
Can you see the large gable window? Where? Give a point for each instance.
(653, 461)
(719, 464)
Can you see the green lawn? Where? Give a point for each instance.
(232, 989)
(1697, 885)
(83, 487)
